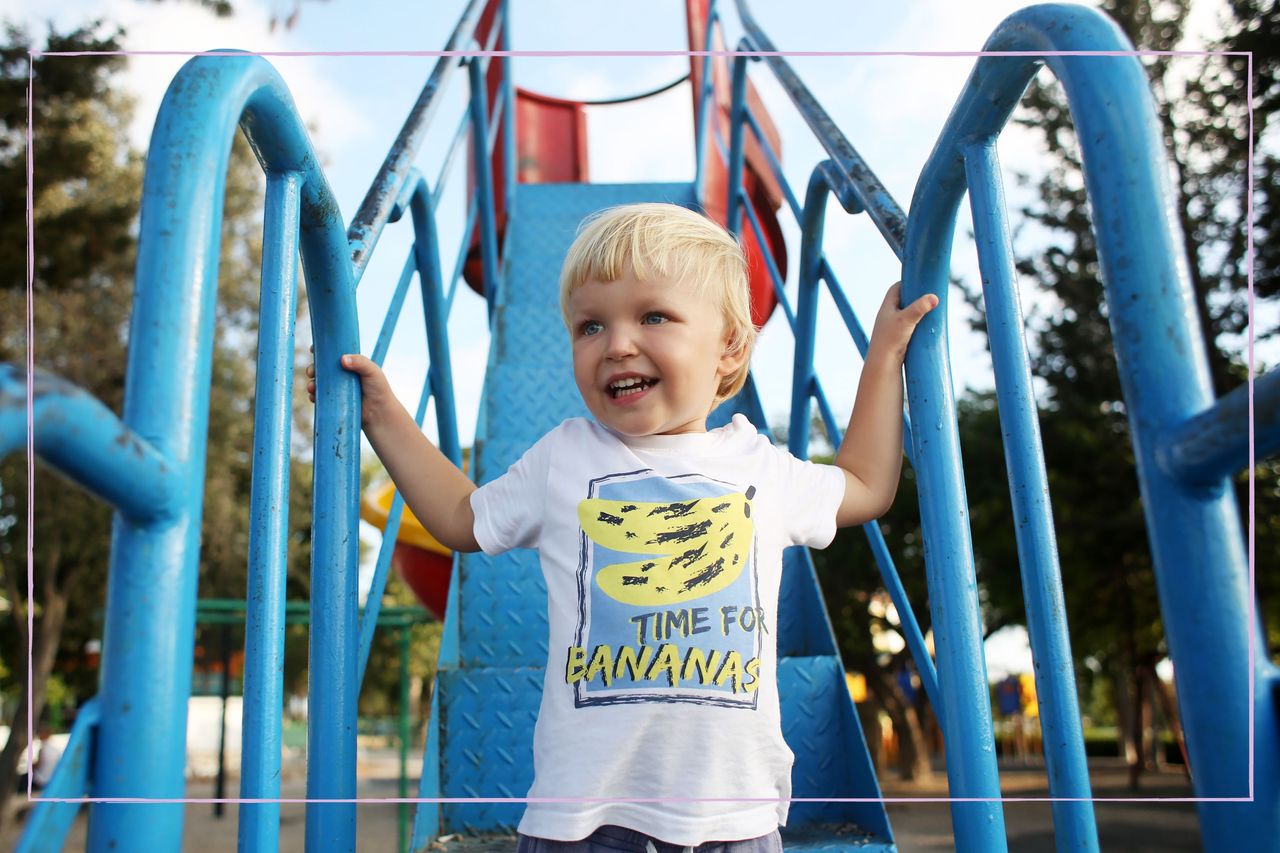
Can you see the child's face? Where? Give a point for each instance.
(648, 356)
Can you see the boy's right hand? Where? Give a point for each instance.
(375, 390)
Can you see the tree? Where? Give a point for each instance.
(84, 250)
(86, 192)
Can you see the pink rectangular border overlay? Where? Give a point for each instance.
(30, 366)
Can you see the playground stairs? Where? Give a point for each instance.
(489, 685)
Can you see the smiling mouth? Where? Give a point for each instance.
(627, 387)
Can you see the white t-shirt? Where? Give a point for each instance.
(663, 557)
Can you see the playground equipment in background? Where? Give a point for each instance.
(422, 562)
(127, 743)
(551, 147)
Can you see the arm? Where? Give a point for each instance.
(871, 453)
(438, 493)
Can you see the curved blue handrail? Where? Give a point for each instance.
(141, 740)
(1164, 377)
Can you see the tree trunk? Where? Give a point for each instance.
(869, 718)
(1135, 753)
(1168, 707)
(913, 753)
(44, 649)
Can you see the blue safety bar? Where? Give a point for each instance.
(814, 268)
(1216, 650)
(1207, 442)
(158, 447)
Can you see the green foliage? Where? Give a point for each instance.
(84, 168)
(84, 258)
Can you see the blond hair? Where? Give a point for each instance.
(667, 241)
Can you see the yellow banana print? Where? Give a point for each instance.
(701, 545)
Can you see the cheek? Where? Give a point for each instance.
(583, 367)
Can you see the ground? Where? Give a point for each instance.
(1157, 827)
(919, 827)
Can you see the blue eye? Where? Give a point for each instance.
(591, 327)
(653, 318)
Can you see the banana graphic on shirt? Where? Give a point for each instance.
(699, 546)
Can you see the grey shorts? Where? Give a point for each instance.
(618, 839)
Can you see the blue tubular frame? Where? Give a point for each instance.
(259, 825)
(828, 176)
(146, 669)
(129, 743)
(148, 644)
(1166, 387)
(46, 829)
(438, 385)
(1029, 492)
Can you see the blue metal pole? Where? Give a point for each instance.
(366, 226)
(484, 185)
(509, 126)
(737, 129)
(804, 387)
(259, 827)
(46, 829)
(806, 324)
(702, 130)
(953, 590)
(1029, 492)
(1214, 444)
(436, 316)
(151, 588)
(75, 433)
(871, 194)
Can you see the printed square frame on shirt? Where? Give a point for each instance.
(698, 640)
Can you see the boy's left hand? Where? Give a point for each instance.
(894, 326)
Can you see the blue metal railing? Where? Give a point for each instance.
(150, 463)
(1163, 375)
(158, 448)
(814, 267)
(1195, 442)
(50, 820)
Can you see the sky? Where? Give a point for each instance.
(890, 107)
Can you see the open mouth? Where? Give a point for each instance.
(622, 388)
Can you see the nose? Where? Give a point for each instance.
(619, 343)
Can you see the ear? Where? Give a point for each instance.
(730, 361)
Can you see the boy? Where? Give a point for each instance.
(661, 542)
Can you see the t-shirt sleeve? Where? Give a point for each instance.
(810, 495)
(509, 510)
